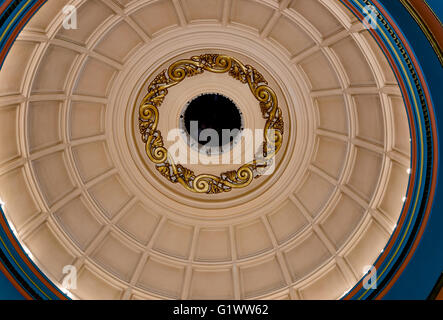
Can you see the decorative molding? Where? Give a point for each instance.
(423, 107)
(428, 22)
(437, 291)
(152, 137)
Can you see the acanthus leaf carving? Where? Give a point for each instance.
(176, 73)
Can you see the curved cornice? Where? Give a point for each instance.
(428, 22)
(421, 189)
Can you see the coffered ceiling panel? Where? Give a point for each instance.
(80, 190)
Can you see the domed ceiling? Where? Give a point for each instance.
(79, 188)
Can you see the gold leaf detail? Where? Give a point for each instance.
(187, 174)
(177, 72)
(279, 125)
(230, 175)
(164, 171)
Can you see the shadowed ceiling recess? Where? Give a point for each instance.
(212, 111)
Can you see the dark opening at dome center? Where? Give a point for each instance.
(212, 111)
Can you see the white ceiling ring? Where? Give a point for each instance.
(87, 199)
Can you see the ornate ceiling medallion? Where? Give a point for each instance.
(208, 183)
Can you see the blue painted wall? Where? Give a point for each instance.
(437, 6)
(424, 269)
(7, 290)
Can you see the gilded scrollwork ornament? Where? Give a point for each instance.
(152, 137)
